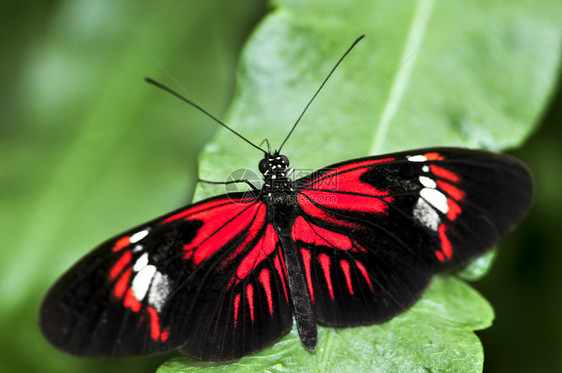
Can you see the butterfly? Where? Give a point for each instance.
(354, 243)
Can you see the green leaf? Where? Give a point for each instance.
(474, 74)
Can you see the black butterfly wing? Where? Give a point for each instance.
(373, 231)
(207, 280)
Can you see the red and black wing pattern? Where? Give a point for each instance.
(373, 231)
(208, 280)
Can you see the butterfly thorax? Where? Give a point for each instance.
(278, 187)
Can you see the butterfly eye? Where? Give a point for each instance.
(264, 165)
(285, 160)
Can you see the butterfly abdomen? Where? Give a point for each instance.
(303, 307)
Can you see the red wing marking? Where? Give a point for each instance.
(454, 209)
(121, 243)
(365, 274)
(154, 323)
(165, 334)
(200, 210)
(222, 225)
(443, 173)
(131, 301)
(451, 190)
(310, 233)
(236, 308)
(433, 156)
(265, 281)
(250, 296)
(312, 210)
(325, 264)
(445, 244)
(306, 260)
(346, 168)
(342, 189)
(122, 284)
(281, 272)
(356, 247)
(262, 250)
(345, 268)
(346, 201)
(121, 263)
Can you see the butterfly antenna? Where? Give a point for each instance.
(198, 107)
(319, 89)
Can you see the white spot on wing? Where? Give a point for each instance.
(159, 291)
(141, 262)
(142, 280)
(138, 236)
(428, 182)
(426, 215)
(425, 168)
(436, 199)
(417, 158)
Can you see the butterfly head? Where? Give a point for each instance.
(274, 164)
(277, 184)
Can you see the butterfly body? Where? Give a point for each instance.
(351, 244)
(279, 196)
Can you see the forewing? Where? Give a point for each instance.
(204, 279)
(373, 231)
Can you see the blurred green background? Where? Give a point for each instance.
(72, 80)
